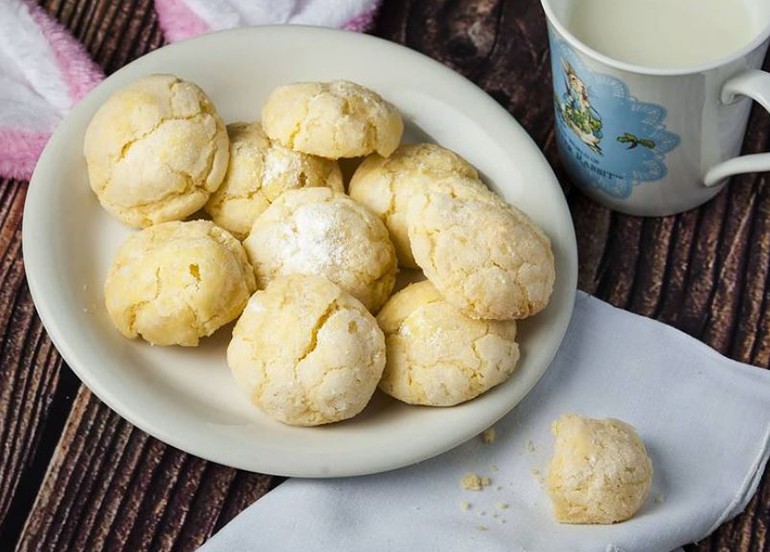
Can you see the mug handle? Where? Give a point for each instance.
(754, 84)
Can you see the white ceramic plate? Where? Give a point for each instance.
(185, 396)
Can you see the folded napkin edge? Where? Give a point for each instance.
(749, 487)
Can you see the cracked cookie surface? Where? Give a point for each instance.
(176, 282)
(259, 171)
(332, 119)
(306, 352)
(323, 232)
(487, 259)
(388, 185)
(600, 471)
(155, 151)
(437, 356)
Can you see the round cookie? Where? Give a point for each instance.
(487, 259)
(437, 356)
(259, 171)
(320, 231)
(155, 151)
(600, 471)
(332, 119)
(387, 185)
(306, 352)
(176, 282)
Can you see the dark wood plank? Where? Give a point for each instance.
(112, 487)
(34, 390)
(35, 393)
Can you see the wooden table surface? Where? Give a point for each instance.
(76, 476)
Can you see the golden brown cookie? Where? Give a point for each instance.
(487, 259)
(436, 355)
(306, 352)
(388, 185)
(259, 171)
(320, 231)
(600, 471)
(156, 150)
(332, 119)
(176, 282)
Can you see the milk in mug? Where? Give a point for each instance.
(663, 33)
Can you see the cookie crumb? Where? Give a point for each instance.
(494, 467)
(489, 435)
(501, 505)
(535, 472)
(465, 505)
(530, 446)
(482, 528)
(659, 498)
(472, 482)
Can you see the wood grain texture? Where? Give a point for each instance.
(76, 476)
(112, 487)
(32, 383)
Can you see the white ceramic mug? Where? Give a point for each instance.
(654, 141)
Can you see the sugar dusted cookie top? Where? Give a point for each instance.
(487, 259)
(436, 355)
(600, 471)
(178, 281)
(387, 186)
(320, 231)
(259, 171)
(155, 151)
(332, 119)
(306, 352)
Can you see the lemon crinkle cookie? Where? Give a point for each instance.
(487, 259)
(600, 471)
(259, 171)
(320, 231)
(176, 282)
(436, 355)
(155, 151)
(332, 119)
(388, 185)
(306, 352)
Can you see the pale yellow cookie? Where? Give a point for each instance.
(155, 151)
(320, 231)
(306, 352)
(487, 259)
(332, 119)
(438, 356)
(387, 185)
(176, 282)
(259, 171)
(600, 471)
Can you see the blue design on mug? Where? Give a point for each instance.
(607, 137)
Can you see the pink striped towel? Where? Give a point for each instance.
(44, 71)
